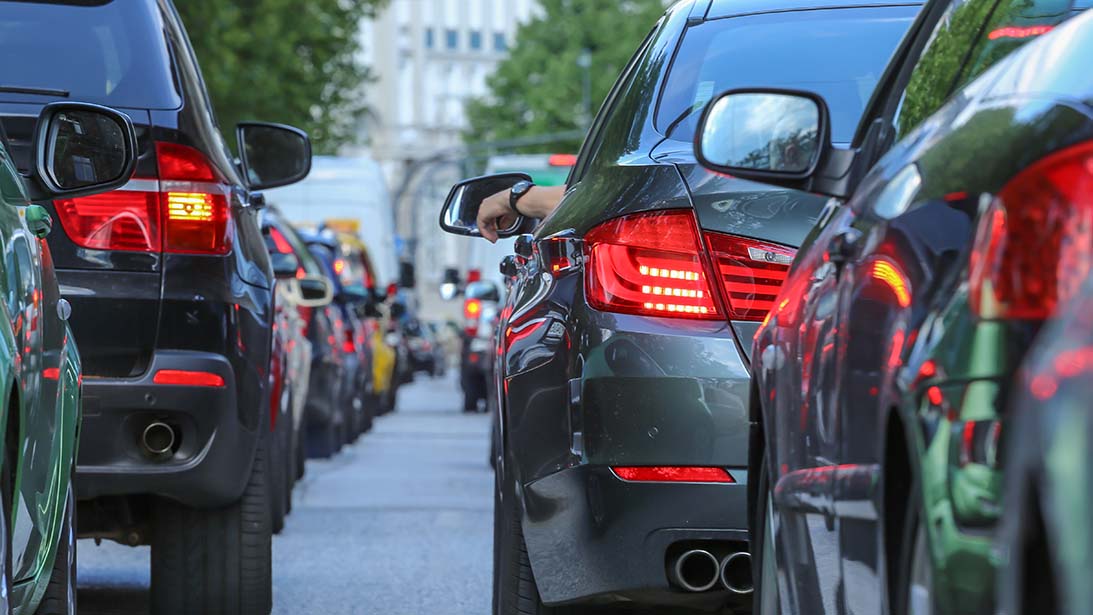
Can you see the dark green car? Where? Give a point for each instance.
(78, 149)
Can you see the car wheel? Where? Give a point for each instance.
(915, 570)
(301, 455)
(215, 560)
(60, 595)
(277, 480)
(765, 598)
(515, 590)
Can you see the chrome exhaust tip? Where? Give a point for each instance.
(695, 570)
(735, 573)
(157, 438)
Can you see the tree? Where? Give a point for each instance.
(538, 89)
(283, 61)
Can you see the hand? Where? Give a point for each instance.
(494, 214)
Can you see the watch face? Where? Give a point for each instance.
(521, 187)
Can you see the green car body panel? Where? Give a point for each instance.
(41, 377)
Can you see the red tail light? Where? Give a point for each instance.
(186, 211)
(188, 378)
(751, 273)
(1034, 244)
(349, 346)
(673, 474)
(120, 220)
(648, 264)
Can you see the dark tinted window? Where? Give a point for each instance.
(113, 53)
(838, 53)
(968, 39)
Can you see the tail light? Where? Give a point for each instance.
(751, 273)
(349, 346)
(673, 474)
(1034, 244)
(472, 308)
(188, 378)
(648, 264)
(186, 211)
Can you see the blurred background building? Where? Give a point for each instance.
(430, 57)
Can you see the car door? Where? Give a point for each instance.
(895, 252)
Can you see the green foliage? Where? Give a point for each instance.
(538, 88)
(283, 61)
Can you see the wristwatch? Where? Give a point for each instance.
(520, 189)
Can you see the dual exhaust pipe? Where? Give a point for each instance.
(699, 570)
(158, 439)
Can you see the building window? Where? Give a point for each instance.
(452, 38)
(476, 39)
(429, 38)
(499, 42)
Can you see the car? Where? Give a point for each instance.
(883, 372)
(426, 354)
(480, 311)
(172, 296)
(1047, 440)
(357, 397)
(360, 280)
(297, 293)
(322, 415)
(79, 150)
(621, 472)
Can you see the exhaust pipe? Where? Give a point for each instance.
(736, 573)
(695, 571)
(157, 438)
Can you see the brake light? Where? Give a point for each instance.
(188, 378)
(648, 264)
(673, 474)
(121, 220)
(472, 308)
(1034, 244)
(280, 241)
(751, 273)
(349, 346)
(185, 211)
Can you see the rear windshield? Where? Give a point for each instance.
(107, 52)
(837, 53)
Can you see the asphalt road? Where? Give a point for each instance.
(400, 523)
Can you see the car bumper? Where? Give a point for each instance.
(211, 461)
(593, 537)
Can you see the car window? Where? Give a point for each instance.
(837, 53)
(947, 63)
(112, 53)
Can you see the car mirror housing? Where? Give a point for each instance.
(310, 291)
(273, 155)
(81, 149)
(460, 213)
(764, 134)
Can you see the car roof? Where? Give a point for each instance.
(734, 8)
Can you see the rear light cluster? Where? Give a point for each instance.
(1034, 244)
(184, 210)
(652, 264)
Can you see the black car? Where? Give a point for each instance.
(959, 219)
(623, 375)
(171, 289)
(477, 342)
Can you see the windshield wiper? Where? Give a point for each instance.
(23, 89)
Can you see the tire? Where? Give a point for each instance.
(915, 575)
(514, 587)
(215, 561)
(301, 455)
(323, 442)
(60, 595)
(765, 597)
(277, 480)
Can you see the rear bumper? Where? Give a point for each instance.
(593, 537)
(213, 457)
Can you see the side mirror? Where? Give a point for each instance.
(460, 213)
(273, 155)
(309, 291)
(81, 149)
(285, 265)
(509, 268)
(763, 134)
